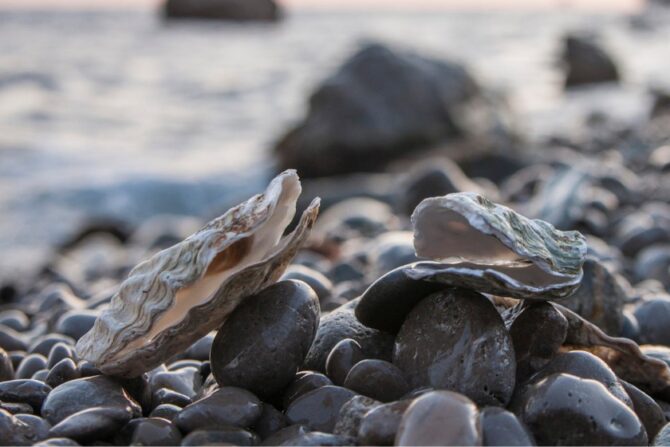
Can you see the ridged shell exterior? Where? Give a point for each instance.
(151, 287)
(555, 256)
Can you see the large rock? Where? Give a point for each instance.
(238, 10)
(383, 104)
(586, 62)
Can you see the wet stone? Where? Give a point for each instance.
(200, 349)
(271, 421)
(88, 369)
(76, 323)
(379, 425)
(226, 406)
(164, 396)
(220, 436)
(378, 379)
(58, 352)
(62, 372)
(319, 408)
(265, 340)
(537, 333)
(351, 414)
(27, 391)
(186, 381)
(647, 410)
(566, 410)
(39, 426)
(501, 427)
(344, 355)
(456, 340)
(14, 431)
(653, 317)
(11, 340)
(92, 424)
(304, 382)
(6, 366)
(42, 345)
(165, 411)
(440, 418)
(30, 365)
(321, 285)
(386, 303)
(155, 431)
(285, 434)
(339, 325)
(81, 394)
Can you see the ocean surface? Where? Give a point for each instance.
(120, 114)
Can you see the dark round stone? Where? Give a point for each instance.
(344, 355)
(11, 340)
(652, 317)
(164, 396)
(663, 436)
(271, 421)
(220, 436)
(315, 438)
(537, 333)
(319, 408)
(630, 327)
(265, 340)
(380, 424)
(440, 418)
(647, 410)
(6, 366)
(304, 382)
(165, 411)
(76, 323)
(27, 391)
(563, 409)
(456, 340)
(16, 407)
(377, 379)
(179, 364)
(284, 435)
(39, 426)
(186, 381)
(155, 431)
(340, 324)
(321, 285)
(200, 349)
(58, 442)
(14, 431)
(386, 303)
(63, 371)
(88, 369)
(42, 345)
(30, 365)
(226, 406)
(81, 394)
(92, 424)
(351, 414)
(15, 319)
(501, 427)
(58, 352)
(40, 375)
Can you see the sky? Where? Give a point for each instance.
(354, 4)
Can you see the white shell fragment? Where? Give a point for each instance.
(182, 293)
(492, 249)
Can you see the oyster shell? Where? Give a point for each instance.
(182, 293)
(492, 249)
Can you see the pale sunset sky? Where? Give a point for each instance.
(618, 5)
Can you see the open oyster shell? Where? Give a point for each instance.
(492, 249)
(182, 293)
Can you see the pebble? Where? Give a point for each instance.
(265, 340)
(440, 418)
(319, 408)
(663, 436)
(200, 349)
(58, 352)
(40, 375)
(92, 424)
(285, 434)
(27, 391)
(648, 411)
(226, 406)
(30, 365)
(186, 381)
(11, 340)
(502, 427)
(165, 411)
(630, 328)
(653, 316)
(304, 382)
(76, 323)
(14, 431)
(6, 366)
(88, 369)
(16, 357)
(221, 436)
(344, 355)
(164, 396)
(81, 394)
(39, 426)
(316, 438)
(379, 425)
(456, 340)
(322, 286)
(42, 345)
(270, 421)
(155, 431)
(351, 414)
(378, 379)
(58, 442)
(16, 408)
(563, 409)
(340, 324)
(386, 303)
(652, 263)
(537, 334)
(62, 372)
(15, 319)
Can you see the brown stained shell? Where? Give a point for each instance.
(621, 354)
(182, 293)
(490, 248)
